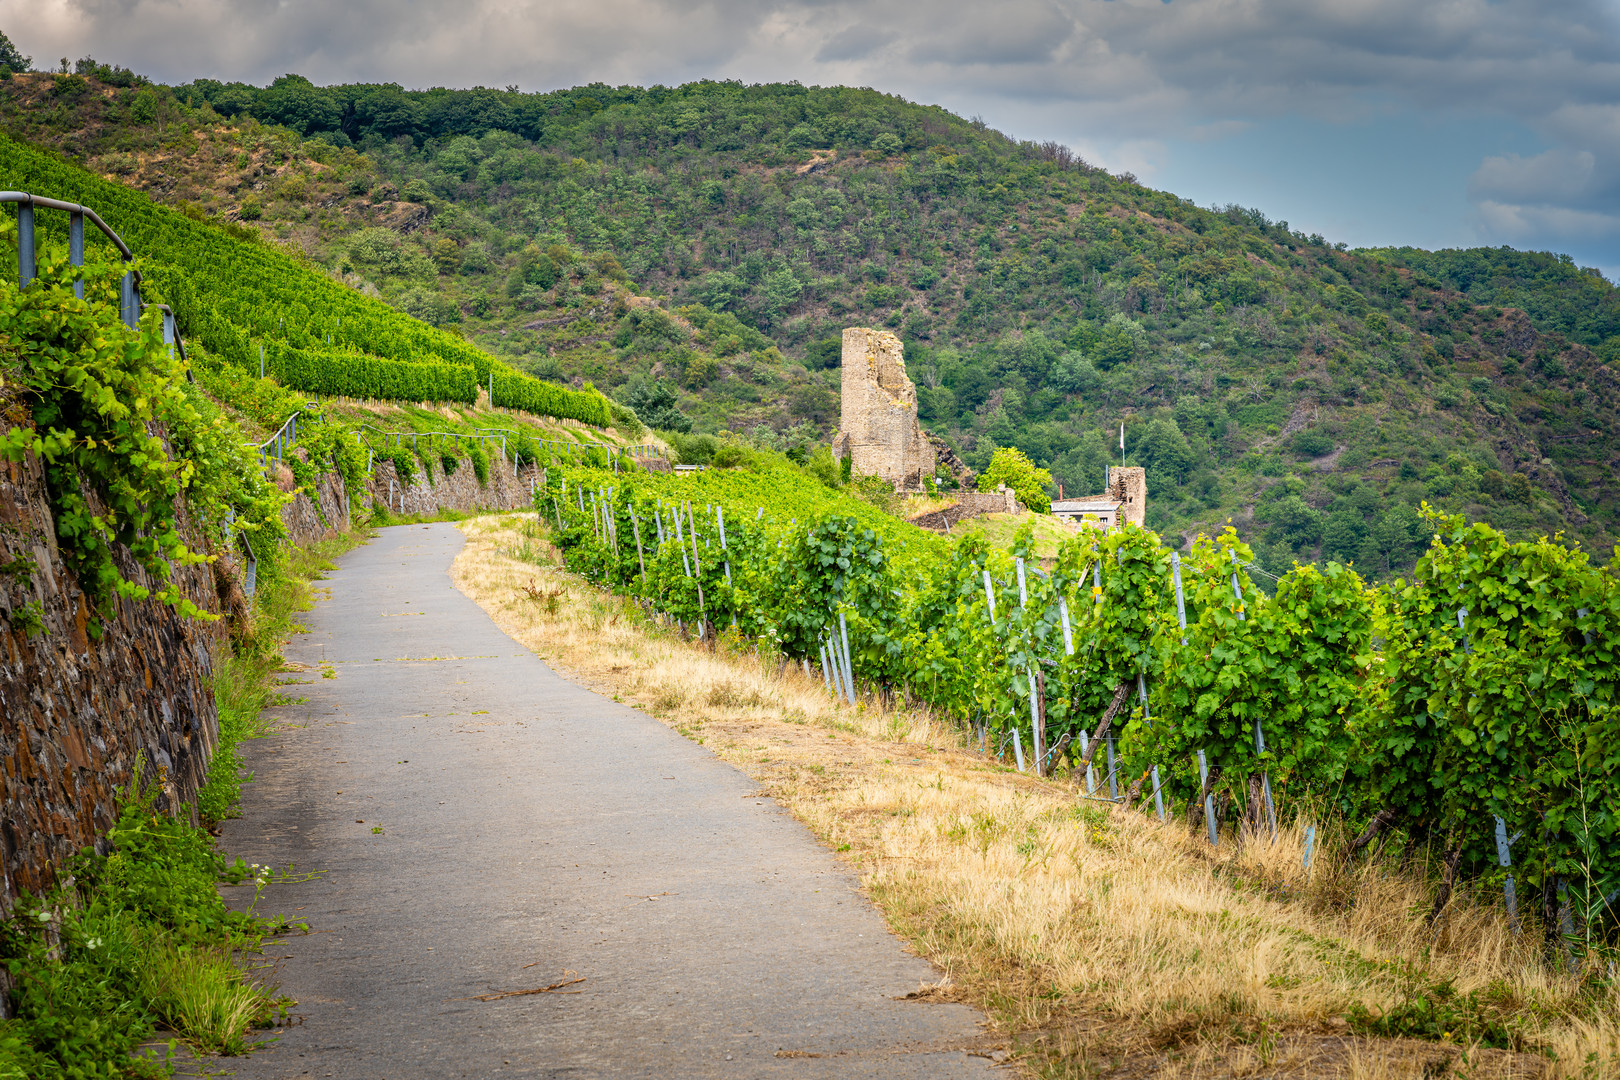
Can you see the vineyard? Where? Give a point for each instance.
(251, 306)
(1470, 711)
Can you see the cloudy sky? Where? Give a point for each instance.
(1436, 124)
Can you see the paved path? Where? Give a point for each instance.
(526, 823)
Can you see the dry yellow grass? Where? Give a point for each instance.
(912, 505)
(1099, 939)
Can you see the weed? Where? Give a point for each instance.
(143, 938)
(29, 618)
(547, 600)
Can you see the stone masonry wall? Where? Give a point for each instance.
(76, 710)
(1129, 485)
(430, 490)
(970, 504)
(878, 412)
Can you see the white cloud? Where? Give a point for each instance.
(1560, 175)
(1517, 223)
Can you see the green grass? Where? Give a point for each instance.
(133, 941)
(203, 993)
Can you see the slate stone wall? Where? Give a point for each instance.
(430, 490)
(77, 710)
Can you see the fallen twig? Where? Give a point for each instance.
(524, 993)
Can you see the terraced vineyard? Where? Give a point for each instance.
(245, 302)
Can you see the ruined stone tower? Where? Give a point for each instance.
(1129, 486)
(878, 426)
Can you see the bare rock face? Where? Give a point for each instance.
(879, 431)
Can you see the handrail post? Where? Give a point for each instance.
(129, 301)
(76, 249)
(25, 244)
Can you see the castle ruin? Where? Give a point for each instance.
(878, 425)
(1125, 501)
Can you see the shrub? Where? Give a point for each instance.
(1312, 444)
(1013, 467)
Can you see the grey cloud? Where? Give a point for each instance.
(999, 34)
(856, 43)
(1124, 72)
(1560, 175)
(1532, 224)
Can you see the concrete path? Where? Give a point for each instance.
(531, 833)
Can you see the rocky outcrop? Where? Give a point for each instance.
(879, 432)
(946, 457)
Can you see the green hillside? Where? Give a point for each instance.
(1314, 395)
(247, 303)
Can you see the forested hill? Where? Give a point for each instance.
(1312, 394)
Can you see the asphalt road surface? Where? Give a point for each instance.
(481, 825)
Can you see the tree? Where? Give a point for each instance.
(1121, 340)
(383, 110)
(1074, 374)
(1399, 535)
(782, 291)
(721, 290)
(447, 255)
(1012, 467)
(295, 102)
(654, 402)
(1342, 535)
(1293, 521)
(11, 59)
(1161, 447)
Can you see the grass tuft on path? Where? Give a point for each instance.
(1097, 940)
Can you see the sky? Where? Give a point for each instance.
(1433, 123)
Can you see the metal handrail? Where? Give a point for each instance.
(423, 434)
(130, 303)
(31, 201)
(285, 435)
(491, 433)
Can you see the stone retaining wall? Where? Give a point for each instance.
(430, 490)
(969, 504)
(77, 710)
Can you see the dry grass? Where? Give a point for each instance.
(1103, 942)
(913, 505)
(999, 530)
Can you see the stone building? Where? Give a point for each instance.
(1124, 502)
(878, 429)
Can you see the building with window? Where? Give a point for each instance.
(1125, 501)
